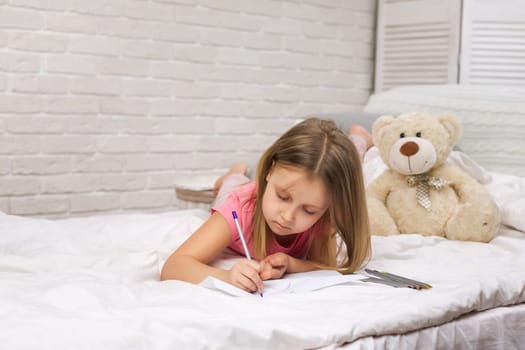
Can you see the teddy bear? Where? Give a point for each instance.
(420, 192)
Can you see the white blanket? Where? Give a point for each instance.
(94, 283)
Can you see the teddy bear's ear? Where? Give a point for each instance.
(379, 125)
(452, 125)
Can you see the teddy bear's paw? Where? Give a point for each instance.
(472, 224)
(481, 235)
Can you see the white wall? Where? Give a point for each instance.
(105, 104)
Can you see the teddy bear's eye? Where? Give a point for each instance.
(402, 135)
(418, 134)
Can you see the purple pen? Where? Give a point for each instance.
(241, 236)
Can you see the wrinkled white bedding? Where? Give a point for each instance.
(93, 283)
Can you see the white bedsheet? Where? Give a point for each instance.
(93, 283)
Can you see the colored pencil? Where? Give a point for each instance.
(410, 283)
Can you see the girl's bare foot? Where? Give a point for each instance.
(236, 168)
(362, 132)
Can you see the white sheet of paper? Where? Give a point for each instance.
(291, 283)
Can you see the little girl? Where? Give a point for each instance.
(308, 191)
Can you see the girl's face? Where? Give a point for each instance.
(293, 200)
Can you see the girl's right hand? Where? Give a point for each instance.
(245, 275)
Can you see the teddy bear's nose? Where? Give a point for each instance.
(409, 149)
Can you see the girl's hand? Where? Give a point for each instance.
(275, 266)
(245, 275)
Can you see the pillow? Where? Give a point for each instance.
(509, 193)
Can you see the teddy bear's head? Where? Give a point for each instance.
(414, 143)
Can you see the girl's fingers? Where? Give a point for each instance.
(274, 266)
(266, 271)
(277, 263)
(277, 260)
(255, 278)
(246, 283)
(247, 276)
(272, 272)
(255, 265)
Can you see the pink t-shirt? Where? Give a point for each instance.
(242, 201)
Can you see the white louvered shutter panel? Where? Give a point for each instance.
(417, 42)
(493, 42)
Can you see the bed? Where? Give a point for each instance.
(93, 282)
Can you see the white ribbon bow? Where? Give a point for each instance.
(424, 183)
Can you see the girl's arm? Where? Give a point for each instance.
(190, 262)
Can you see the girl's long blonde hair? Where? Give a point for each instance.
(321, 148)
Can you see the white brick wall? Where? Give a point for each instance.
(105, 105)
